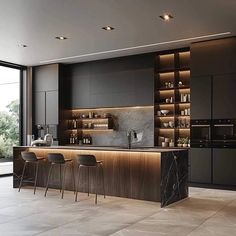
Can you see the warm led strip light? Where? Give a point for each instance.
(138, 47)
(109, 108)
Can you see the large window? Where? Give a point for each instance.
(9, 111)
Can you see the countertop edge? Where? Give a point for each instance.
(107, 148)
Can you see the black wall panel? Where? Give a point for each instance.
(125, 81)
(213, 57)
(201, 97)
(224, 166)
(46, 77)
(200, 161)
(224, 97)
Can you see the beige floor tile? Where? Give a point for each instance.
(214, 230)
(206, 212)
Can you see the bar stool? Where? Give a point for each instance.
(89, 161)
(58, 159)
(30, 157)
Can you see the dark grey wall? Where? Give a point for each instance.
(125, 81)
(141, 120)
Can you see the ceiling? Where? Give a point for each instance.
(138, 27)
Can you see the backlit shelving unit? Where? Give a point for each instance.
(172, 92)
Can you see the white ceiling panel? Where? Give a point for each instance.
(138, 27)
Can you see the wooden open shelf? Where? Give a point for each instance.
(79, 127)
(92, 130)
(172, 81)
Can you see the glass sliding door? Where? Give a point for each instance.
(9, 116)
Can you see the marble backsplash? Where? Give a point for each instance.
(139, 119)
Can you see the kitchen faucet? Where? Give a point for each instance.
(131, 135)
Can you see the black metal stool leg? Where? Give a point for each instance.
(73, 175)
(36, 176)
(88, 180)
(49, 174)
(77, 186)
(22, 176)
(64, 178)
(103, 180)
(96, 197)
(60, 179)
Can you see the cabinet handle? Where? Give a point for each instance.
(224, 125)
(200, 125)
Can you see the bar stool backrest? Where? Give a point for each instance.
(86, 160)
(29, 156)
(56, 158)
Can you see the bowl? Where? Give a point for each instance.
(166, 125)
(165, 112)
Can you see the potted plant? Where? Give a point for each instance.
(185, 142)
(180, 142)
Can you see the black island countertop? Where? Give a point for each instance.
(109, 148)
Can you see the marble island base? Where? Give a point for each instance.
(159, 175)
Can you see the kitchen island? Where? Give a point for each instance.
(152, 174)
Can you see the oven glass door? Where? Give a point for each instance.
(223, 132)
(200, 133)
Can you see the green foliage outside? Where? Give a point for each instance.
(9, 129)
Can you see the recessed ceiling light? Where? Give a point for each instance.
(108, 28)
(166, 17)
(61, 37)
(22, 45)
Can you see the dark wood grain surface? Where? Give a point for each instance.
(127, 174)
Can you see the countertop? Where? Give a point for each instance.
(110, 148)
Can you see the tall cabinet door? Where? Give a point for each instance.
(40, 108)
(224, 166)
(46, 77)
(45, 90)
(200, 165)
(201, 97)
(224, 97)
(213, 57)
(52, 108)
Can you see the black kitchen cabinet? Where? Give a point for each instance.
(52, 108)
(39, 108)
(224, 166)
(213, 57)
(117, 82)
(201, 97)
(80, 91)
(46, 77)
(224, 97)
(45, 94)
(200, 165)
(46, 108)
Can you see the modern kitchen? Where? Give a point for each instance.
(148, 132)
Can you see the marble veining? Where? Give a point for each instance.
(141, 120)
(174, 177)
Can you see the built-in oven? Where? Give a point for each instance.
(200, 133)
(224, 133)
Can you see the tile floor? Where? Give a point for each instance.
(206, 212)
(6, 168)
